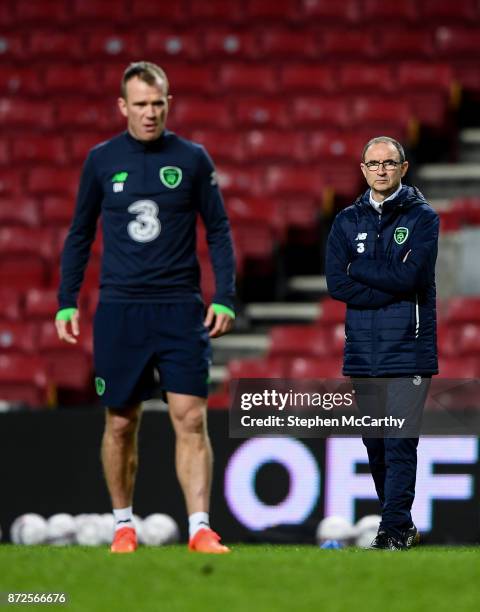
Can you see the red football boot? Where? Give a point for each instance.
(124, 541)
(207, 541)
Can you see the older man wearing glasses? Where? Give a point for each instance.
(381, 257)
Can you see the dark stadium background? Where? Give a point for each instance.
(283, 93)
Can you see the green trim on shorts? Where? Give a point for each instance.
(221, 309)
(65, 314)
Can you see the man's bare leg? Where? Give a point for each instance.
(120, 460)
(194, 463)
(193, 452)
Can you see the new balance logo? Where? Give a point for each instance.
(361, 236)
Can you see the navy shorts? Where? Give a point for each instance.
(132, 341)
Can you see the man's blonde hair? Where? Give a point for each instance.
(146, 71)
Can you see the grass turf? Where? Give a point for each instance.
(252, 578)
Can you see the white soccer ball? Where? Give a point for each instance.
(366, 530)
(28, 529)
(334, 528)
(159, 529)
(107, 527)
(88, 529)
(61, 529)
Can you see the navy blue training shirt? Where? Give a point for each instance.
(148, 195)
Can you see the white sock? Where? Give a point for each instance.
(197, 521)
(123, 517)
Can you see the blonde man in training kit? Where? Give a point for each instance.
(148, 185)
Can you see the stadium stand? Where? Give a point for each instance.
(283, 94)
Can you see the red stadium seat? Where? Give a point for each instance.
(229, 43)
(366, 77)
(19, 212)
(326, 10)
(97, 10)
(76, 113)
(23, 379)
(13, 46)
(10, 305)
(290, 44)
(257, 211)
(22, 271)
(299, 340)
(459, 367)
(378, 10)
(256, 368)
(302, 77)
(41, 304)
(301, 213)
(57, 210)
(320, 111)
(406, 43)
(259, 112)
(200, 113)
(66, 78)
(166, 44)
(6, 15)
(192, 79)
(17, 80)
(331, 312)
(469, 340)
(240, 181)
(347, 43)
(462, 10)
(269, 144)
(314, 368)
(11, 182)
(215, 11)
(81, 143)
(468, 209)
(283, 180)
(239, 77)
(48, 149)
(333, 145)
(26, 240)
(17, 337)
(459, 41)
(53, 180)
(148, 11)
(284, 10)
(38, 11)
(447, 340)
(429, 107)
(113, 44)
(53, 44)
(381, 112)
(255, 243)
(25, 113)
(463, 310)
(343, 177)
(221, 144)
(425, 75)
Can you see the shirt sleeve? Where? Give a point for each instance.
(413, 271)
(340, 285)
(76, 250)
(219, 237)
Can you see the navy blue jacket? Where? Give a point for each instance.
(148, 196)
(389, 288)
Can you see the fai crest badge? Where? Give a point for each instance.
(401, 234)
(100, 385)
(171, 176)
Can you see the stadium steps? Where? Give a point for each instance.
(281, 312)
(309, 287)
(470, 145)
(449, 180)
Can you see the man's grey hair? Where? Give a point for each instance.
(386, 139)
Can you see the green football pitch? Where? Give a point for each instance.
(252, 578)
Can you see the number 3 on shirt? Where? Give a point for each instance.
(146, 226)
